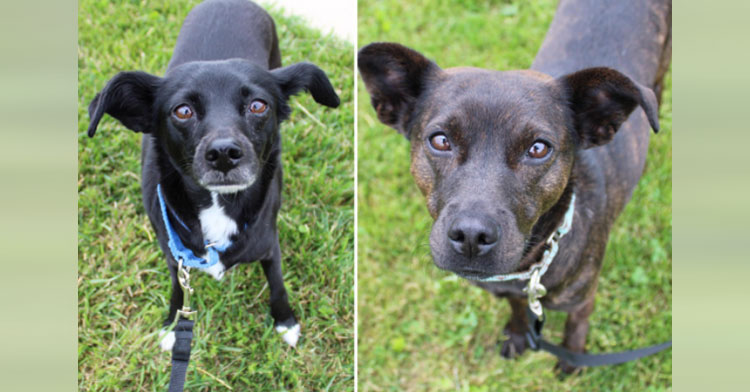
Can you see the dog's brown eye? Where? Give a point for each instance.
(440, 142)
(538, 150)
(257, 107)
(183, 112)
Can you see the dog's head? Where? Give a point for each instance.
(493, 151)
(217, 120)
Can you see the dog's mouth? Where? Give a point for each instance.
(223, 189)
(234, 181)
(471, 274)
(475, 274)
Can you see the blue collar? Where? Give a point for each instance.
(178, 250)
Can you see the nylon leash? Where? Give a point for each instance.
(183, 332)
(180, 354)
(537, 342)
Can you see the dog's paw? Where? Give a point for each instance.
(167, 340)
(514, 346)
(217, 270)
(565, 369)
(289, 334)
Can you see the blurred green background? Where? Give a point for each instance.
(423, 329)
(123, 282)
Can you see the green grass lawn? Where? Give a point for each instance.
(423, 329)
(123, 283)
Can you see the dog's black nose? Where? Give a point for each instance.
(223, 154)
(473, 235)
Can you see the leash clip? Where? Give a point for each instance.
(535, 290)
(183, 277)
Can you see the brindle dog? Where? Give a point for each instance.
(498, 155)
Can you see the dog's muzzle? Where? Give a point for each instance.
(225, 164)
(473, 242)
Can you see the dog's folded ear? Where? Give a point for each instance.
(395, 77)
(601, 99)
(306, 76)
(128, 97)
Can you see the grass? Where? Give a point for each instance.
(123, 283)
(423, 329)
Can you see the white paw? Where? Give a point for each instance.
(166, 341)
(290, 335)
(217, 270)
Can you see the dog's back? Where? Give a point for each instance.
(633, 37)
(226, 29)
(629, 36)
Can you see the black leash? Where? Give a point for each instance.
(180, 354)
(183, 333)
(537, 342)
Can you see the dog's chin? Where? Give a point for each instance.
(476, 275)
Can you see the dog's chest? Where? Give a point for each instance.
(216, 225)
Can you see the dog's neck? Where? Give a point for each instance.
(189, 202)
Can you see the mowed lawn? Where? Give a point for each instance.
(423, 329)
(123, 282)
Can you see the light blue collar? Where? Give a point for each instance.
(549, 254)
(178, 250)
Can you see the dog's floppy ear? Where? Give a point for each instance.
(602, 99)
(128, 97)
(306, 76)
(395, 77)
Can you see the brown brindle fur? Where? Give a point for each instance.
(588, 97)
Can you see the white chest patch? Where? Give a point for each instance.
(217, 227)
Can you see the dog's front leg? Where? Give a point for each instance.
(284, 320)
(175, 303)
(576, 330)
(515, 329)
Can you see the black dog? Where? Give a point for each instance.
(499, 156)
(211, 143)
